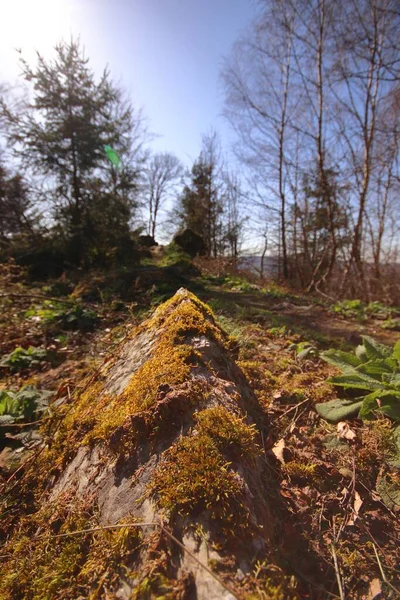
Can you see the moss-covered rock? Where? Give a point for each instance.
(168, 432)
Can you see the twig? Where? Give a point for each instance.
(293, 408)
(383, 573)
(27, 424)
(94, 529)
(338, 578)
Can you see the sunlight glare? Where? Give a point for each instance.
(30, 25)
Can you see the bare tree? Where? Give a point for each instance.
(162, 175)
(258, 80)
(312, 92)
(367, 69)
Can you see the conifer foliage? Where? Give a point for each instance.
(61, 134)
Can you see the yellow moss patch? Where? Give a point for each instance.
(175, 302)
(260, 379)
(297, 386)
(194, 477)
(228, 431)
(168, 366)
(299, 470)
(98, 415)
(47, 562)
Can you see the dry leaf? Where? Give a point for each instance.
(356, 508)
(344, 431)
(374, 590)
(278, 450)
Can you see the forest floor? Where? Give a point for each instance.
(340, 484)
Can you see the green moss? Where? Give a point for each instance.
(45, 563)
(153, 586)
(229, 432)
(97, 415)
(260, 379)
(194, 476)
(168, 366)
(300, 471)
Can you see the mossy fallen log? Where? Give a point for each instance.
(168, 434)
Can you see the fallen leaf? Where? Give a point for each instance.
(344, 431)
(278, 450)
(356, 508)
(374, 590)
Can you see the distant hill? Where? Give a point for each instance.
(253, 263)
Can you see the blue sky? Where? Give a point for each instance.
(166, 53)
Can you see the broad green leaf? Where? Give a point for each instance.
(338, 409)
(376, 368)
(392, 380)
(384, 401)
(391, 408)
(374, 349)
(9, 404)
(392, 363)
(358, 381)
(341, 360)
(24, 403)
(369, 405)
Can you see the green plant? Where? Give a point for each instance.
(74, 316)
(358, 310)
(238, 284)
(349, 308)
(373, 372)
(391, 324)
(25, 404)
(174, 256)
(304, 350)
(379, 310)
(278, 331)
(79, 317)
(22, 358)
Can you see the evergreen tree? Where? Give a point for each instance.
(62, 135)
(201, 201)
(16, 218)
